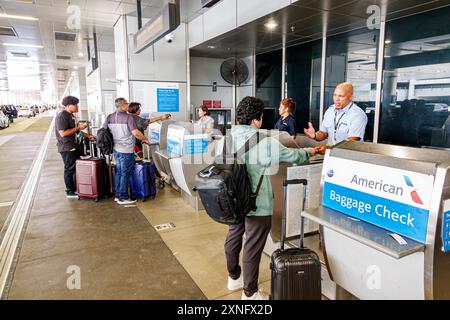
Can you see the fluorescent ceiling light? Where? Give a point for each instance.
(271, 25)
(80, 54)
(11, 16)
(75, 67)
(387, 41)
(211, 47)
(22, 45)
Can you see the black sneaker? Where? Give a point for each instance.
(71, 195)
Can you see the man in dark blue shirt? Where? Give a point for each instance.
(287, 120)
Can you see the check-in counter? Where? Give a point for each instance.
(189, 150)
(310, 170)
(384, 221)
(157, 132)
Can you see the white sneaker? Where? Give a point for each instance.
(235, 284)
(258, 295)
(126, 201)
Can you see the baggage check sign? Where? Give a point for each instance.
(175, 139)
(446, 227)
(154, 132)
(394, 199)
(196, 144)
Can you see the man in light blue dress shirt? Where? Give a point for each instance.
(342, 121)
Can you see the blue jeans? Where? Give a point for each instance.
(124, 167)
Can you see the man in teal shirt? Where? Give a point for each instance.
(257, 224)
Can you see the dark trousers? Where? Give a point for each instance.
(256, 230)
(69, 158)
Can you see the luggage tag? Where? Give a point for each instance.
(398, 238)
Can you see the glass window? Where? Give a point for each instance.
(416, 84)
(268, 85)
(303, 67)
(352, 57)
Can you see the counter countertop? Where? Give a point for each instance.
(366, 233)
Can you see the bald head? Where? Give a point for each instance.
(343, 95)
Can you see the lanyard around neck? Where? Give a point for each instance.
(336, 124)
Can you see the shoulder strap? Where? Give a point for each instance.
(249, 144)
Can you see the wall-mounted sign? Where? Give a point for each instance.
(163, 23)
(446, 227)
(394, 199)
(168, 100)
(217, 104)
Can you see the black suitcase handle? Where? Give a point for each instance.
(286, 183)
(295, 181)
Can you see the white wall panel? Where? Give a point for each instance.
(170, 58)
(121, 57)
(162, 62)
(107, 67)
(206, 70)
(196, 31)
(220, 19)
(249, 10)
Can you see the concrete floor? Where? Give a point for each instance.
(119, 253)
(18, 147)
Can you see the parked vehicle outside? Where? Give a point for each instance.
(4, 121)
(26, 112)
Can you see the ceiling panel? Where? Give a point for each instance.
(327, 5)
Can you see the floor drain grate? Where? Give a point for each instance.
(165, 226)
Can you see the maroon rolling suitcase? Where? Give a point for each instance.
(296, 272)
(90, 177)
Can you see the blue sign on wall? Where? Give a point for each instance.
(168, 100)
(401, 218)
(196, 146)
(446, 231)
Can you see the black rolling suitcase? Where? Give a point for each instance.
(296, 271)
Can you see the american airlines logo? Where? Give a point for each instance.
(414, 195)
(381, 185)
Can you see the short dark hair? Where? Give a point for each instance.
(134, 107)
(67, 101)
(205, 110)
(249, 108)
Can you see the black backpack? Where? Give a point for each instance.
(225, 188)
(105, 141)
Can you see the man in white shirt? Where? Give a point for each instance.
(344, 120)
